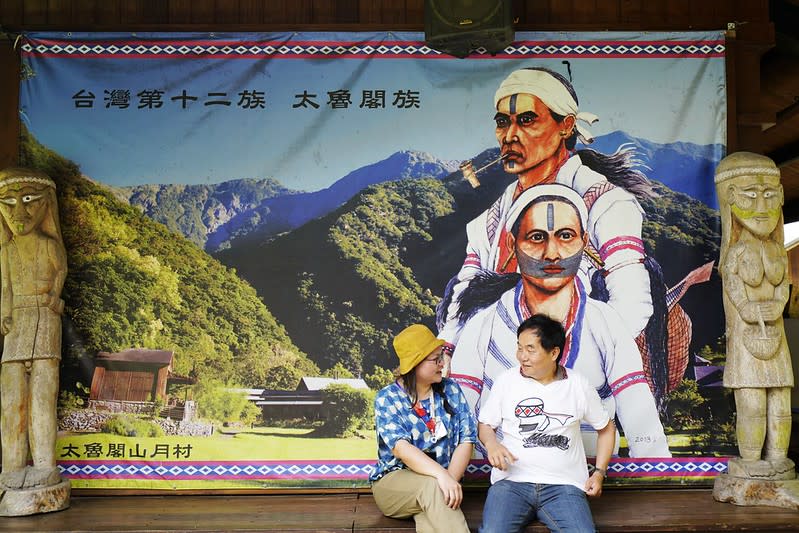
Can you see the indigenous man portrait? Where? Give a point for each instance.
(538, 125)
(545, 229)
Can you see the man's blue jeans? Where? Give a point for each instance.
(511, 505)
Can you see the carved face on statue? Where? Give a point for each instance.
(23, 206)
(749, 184)
(756, 202)
(27, 204)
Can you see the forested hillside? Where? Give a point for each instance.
(133, 283)
(218, 211)
(342, 280)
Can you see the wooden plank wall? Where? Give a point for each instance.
(750, 41)
(531, 14)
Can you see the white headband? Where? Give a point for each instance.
(550, 91)
(549, 189)
(746, 171)
(27, 179)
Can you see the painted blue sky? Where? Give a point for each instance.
(660, 99)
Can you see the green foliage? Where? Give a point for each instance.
(283, 377)
(338, 371)
(686, 406)
(133, 283)
(159, 404)
(346, 409)
(367, 420)
(715, 357)
(723, 435)
(676, 222)
(292, 423)
(131, 426)
(219, 402)
(379, 378)
(345, 305)
(71, 401)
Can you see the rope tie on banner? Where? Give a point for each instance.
(11, 36)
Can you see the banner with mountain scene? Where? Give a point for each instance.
(251, 218)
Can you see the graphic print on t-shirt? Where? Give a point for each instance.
(534, 418)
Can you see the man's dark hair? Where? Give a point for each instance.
(550, 332)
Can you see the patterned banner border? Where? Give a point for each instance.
(361, 49)
(667, 468)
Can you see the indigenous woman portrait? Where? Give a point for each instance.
(425, 436)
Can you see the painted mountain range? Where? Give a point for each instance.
(213, 215)
(681, 166)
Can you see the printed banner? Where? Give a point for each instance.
(251, 218)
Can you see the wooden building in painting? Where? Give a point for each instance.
(136, 376)
(304, 402)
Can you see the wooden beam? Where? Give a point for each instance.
(785, 16)
(9, 103)
(785, 155)
(746, 44)
(790, 211)
(785, 115)
(764, 119)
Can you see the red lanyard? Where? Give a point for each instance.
(425, 416)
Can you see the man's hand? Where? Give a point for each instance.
(500, 457)
(452, 490)
(593, 487)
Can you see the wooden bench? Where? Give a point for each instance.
(618, 510)
(627, 511)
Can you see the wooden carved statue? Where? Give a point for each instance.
(754, 269)
(33, 266)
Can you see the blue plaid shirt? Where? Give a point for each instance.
(395, 420)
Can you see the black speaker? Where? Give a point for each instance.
(457, 27)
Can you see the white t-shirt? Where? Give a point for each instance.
(540, 425)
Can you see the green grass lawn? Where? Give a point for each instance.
(260, 443)
(255, 444)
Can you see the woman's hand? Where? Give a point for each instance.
(451, 489)
(416, 460)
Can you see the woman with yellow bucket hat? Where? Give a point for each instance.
(425, 433)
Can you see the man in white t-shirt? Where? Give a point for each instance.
(530, 428)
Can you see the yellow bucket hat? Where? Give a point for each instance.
(413, 344)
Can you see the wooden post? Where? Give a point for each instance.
(746, 44)
(9, 103)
